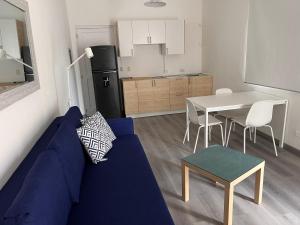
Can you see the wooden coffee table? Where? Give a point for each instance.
(227, 167)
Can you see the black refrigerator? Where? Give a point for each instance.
(106, 81)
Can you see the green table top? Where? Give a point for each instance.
(222, 162)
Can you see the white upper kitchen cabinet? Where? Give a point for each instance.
(175, 33)
(140, 30)
(170, 33)
(125, 38)
(148, 32)
(157, 31)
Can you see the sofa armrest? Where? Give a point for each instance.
(121, 126)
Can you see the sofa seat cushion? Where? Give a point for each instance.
(121, 191)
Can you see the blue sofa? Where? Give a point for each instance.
(120, 191)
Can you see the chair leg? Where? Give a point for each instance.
(234, 126)
(275, 149)
(222, 134)
(250, 133)
(254, 135)
(245, 137)
(185, 136)
(188, 132)
(197, 139)
(229, 132)
(209, 132)
(225, 128)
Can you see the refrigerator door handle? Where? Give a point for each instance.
(106, 72)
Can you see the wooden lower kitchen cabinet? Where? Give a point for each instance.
(200, 85)
(131, 100)
(149, 94)
(145, 92)
(153, 95)
(161, 95)
(179, 91)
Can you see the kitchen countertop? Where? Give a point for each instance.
(163, 77)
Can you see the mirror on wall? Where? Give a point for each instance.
(15, 53)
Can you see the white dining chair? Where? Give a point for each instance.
(229, 113)
(260, 115)
(200, 121)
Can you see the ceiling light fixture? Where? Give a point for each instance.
(155, 3)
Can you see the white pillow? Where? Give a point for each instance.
(96, 143)
(98, 122)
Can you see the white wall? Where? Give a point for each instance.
(107, 12)
(104, 12)
(224, 52)
(23, 122)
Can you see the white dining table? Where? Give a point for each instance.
(234, 101)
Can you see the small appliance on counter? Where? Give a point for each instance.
(106, 81)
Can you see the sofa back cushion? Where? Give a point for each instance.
(121, 126)
(73, 116)
(66, 144)
(14, 184)
(44, 198)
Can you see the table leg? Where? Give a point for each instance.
(284, 125)
(185, 183)
(228, 204)
(206, 129)
(259, 182)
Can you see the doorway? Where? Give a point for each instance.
(88, 36)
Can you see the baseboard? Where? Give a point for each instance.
(155, 114)
(285, 146)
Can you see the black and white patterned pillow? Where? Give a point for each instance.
(98, 122)
(96, 143)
